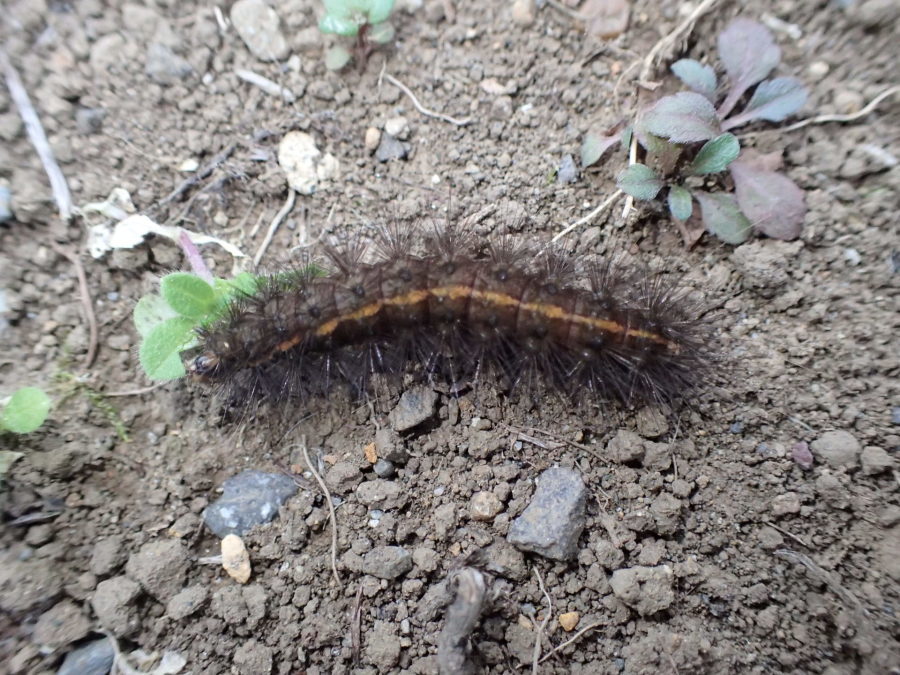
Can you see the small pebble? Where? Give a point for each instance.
(235, 558)
(569, 620)
(524, 12)
(383, 468)
(567, 172)
(398, 127)
(373, 138)
(484, 506)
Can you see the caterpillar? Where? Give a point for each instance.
(456, 308)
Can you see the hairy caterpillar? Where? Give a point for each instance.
(456, 309)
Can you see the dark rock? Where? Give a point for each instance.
(93, 658)
(553, 521)
(416, 405)
(250, 498)
(383, 468)
(390, 148)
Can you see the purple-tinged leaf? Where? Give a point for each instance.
(716, 155)
(773, 100)
(681, 203)
(640, 182)
(697, 76)
(685, 117)
(749, 53)
(594, 146)
(771, 200)
(722, 217)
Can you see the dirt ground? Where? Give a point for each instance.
(773, 565)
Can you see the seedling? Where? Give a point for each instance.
(365, 20)
(25, 410)
(687, 141)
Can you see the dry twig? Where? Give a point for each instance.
(536, 654)
(86, 302)
(572, 639)
(273, 226)
(422, 109)
(588, 218)
(38, 138)
(188, 183)
(315, 473)
(356, 626)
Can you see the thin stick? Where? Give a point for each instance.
(273, 226)
(824, 119)
(787, 534)
(324, 487)
(356, 626)
(38, 138)
(422, 109)
(536, 654)
(187, 183)
(86, 303)
(570, 640)
(589, 217)
(133, 392)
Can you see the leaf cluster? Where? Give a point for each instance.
(686, 139)
(25, 411)
(365, 20)
(168, 321)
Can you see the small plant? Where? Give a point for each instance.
(25, 410)
(687, 141)
(366, 20)
(168, 321)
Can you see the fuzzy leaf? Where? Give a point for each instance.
(681, 203)
(699, 77)
(25, 411)
(640, 182)
(188, 294)
(159, 351)
(722, 217)
(594, 146)
(336, 58)
(716, 155)
(685, 117)
(338, 26)
(749, 53)
(773, 100)
(149, 311)
(772, 201)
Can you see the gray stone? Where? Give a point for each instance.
(567, 172)
(253, 658)
(875, 460)
(108, 556)
(165, 66)
(645, 589)
(113, 604)
(837, 448)
(390, 148)
(60, 625)
(94, 658)
(257, 24)
(387, 562)
(187, 602)
(553, 521)
(5, 204)
(625, 447)
(504, 559)
(343, 477)
(160, 567)
(416, 405)
(250, 498)
(389, 447)
(383, 646)
(26, 584)
(381, 494)
(383, 468)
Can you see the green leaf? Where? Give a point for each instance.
(26, 410)
(594, 146)
(716, 155)
(723, 218)
(681, 203)
(685, 117)
(339, 26)
(773, 101)
(149, 311)
(160, 349)
(697, 76)
(336, 58)
(382, 33)
(188, 294)
(627, 134)
(640, 182)
(378, 10)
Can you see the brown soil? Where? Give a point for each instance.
(776, 568)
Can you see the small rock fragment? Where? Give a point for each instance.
(257, 24)
(651, 422)
(484, 506)
(416, 405)
(113, 603)
(383, 468)
(553, 520)
(381, 494)
(165, 66)
(188, 601)
(373, 138)
(506, 560)
(398, 127)
(569, 620)
(837, 448)
(524, 12)
(108, 556)
(387, 562)
(567, 172)
(371, 453)
(253, 658)
(875, 460)
(786, 503)
(390, 148)
(625, 447)
(645, 589)
(303, 163)
(93, 658)
(343, 477)
(5, 204)
(60, 625)
(235, 558)
(249, 498)
(802, 456)
(160, 567)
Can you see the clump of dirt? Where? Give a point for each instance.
(710, 541)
